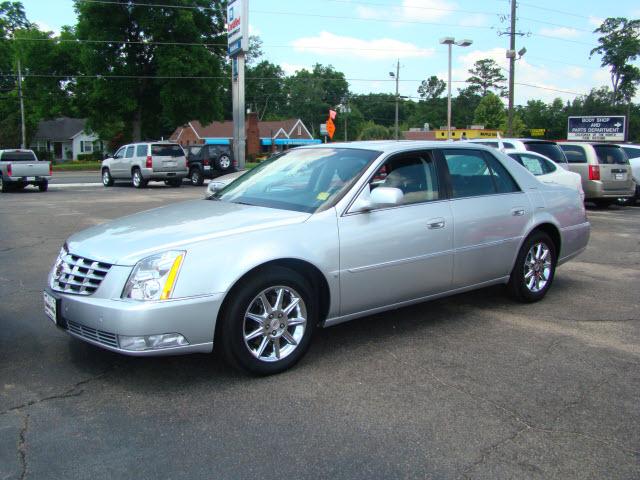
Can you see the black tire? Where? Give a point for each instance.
(231, 334)
(107, 179)
(4, 186)
(603, 203)
(223, 163)
(43, 186)
(196, 178)
(517, 286)
(175, 183)
(137, 179)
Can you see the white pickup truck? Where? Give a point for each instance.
(19, 168)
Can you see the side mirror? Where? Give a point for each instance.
(380, 197)
(386, 196)
(213, 188)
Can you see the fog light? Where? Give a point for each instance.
(152, 342)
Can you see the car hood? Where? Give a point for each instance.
(127, 240)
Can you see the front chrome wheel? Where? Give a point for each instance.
(274, 323)
(537, 267)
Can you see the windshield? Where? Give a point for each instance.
(18, 157)
(167, 151)
(301, 180)
(610, 155)
(549, 150)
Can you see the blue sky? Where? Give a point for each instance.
(364, 39)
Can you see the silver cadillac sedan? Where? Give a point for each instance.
(316, 237)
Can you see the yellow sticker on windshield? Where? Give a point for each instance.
(323, 195)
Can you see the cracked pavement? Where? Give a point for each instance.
(473, 386)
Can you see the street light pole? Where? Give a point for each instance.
(450, 41)
(397, 77)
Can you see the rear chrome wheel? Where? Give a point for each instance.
(223, 162)
(274, 323)
(537, 267)
(137, 179)
(534, 269)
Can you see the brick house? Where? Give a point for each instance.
(262, 137)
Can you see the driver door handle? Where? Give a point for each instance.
(517, 212)
(436, 224)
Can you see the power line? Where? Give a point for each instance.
(562, 12)
(412, 7)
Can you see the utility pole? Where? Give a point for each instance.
(23, 145)
(512, 67)
(397, 94)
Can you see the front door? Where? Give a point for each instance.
(391, 255)
(490, 214)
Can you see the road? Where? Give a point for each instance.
(473, 386)
(81, 177)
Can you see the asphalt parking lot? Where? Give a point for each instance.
(473, 386)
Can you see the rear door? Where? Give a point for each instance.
(615, 171)
(167, 157)
(490, 214)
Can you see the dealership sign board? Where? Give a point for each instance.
(238, 26)
(607, 129)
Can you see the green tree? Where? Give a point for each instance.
(132, 86)
(381, 108)
(373, 131)
(463, 107)
(619, 45)
(490, 112)
(486, 76)
(312, 93)
(431, 88)
(265, 90)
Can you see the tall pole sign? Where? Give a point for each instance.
(238, 43)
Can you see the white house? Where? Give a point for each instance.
(66, 138)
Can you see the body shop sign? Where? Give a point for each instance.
(237, 26)
(600, 129)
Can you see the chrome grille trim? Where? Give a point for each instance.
(78, 276)
(105, 338)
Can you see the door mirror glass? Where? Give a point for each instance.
(385, 197)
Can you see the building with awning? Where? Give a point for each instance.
(262, 136)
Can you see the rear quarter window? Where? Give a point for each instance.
(632, 152)
(574, 153)
(141, 151)
(610, 155)
(167, 151)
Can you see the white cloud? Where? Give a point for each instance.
(410, 10)
(292, 68)
(475, 20)
(47, 28)
(329, 44)
(595, 21)
(562, 32)
(532, 81)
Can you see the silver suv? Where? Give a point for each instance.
(142, 162)
(604, 168)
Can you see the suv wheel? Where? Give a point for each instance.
(175, 182)
(535, 268)
(4, 187)
(223, 163)
(107, 179)
(196, 177)
(268, 322)
(137, 179)
(43, 186)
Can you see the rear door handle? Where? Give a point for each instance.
(517, 212)
(436, 223)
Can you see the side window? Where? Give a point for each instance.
(470, 174)
(533, 164)
(632, 152)
(549, 166)
(415, 174)
(129, 153)
(141, 151)
(119, 153)
(504, 181)
(574, 153)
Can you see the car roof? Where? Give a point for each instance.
(392, 146)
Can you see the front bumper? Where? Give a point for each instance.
(101, 321)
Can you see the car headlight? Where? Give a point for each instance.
(57, 266)
(154, 278)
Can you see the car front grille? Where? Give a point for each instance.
(78, 275)
(105, 338)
